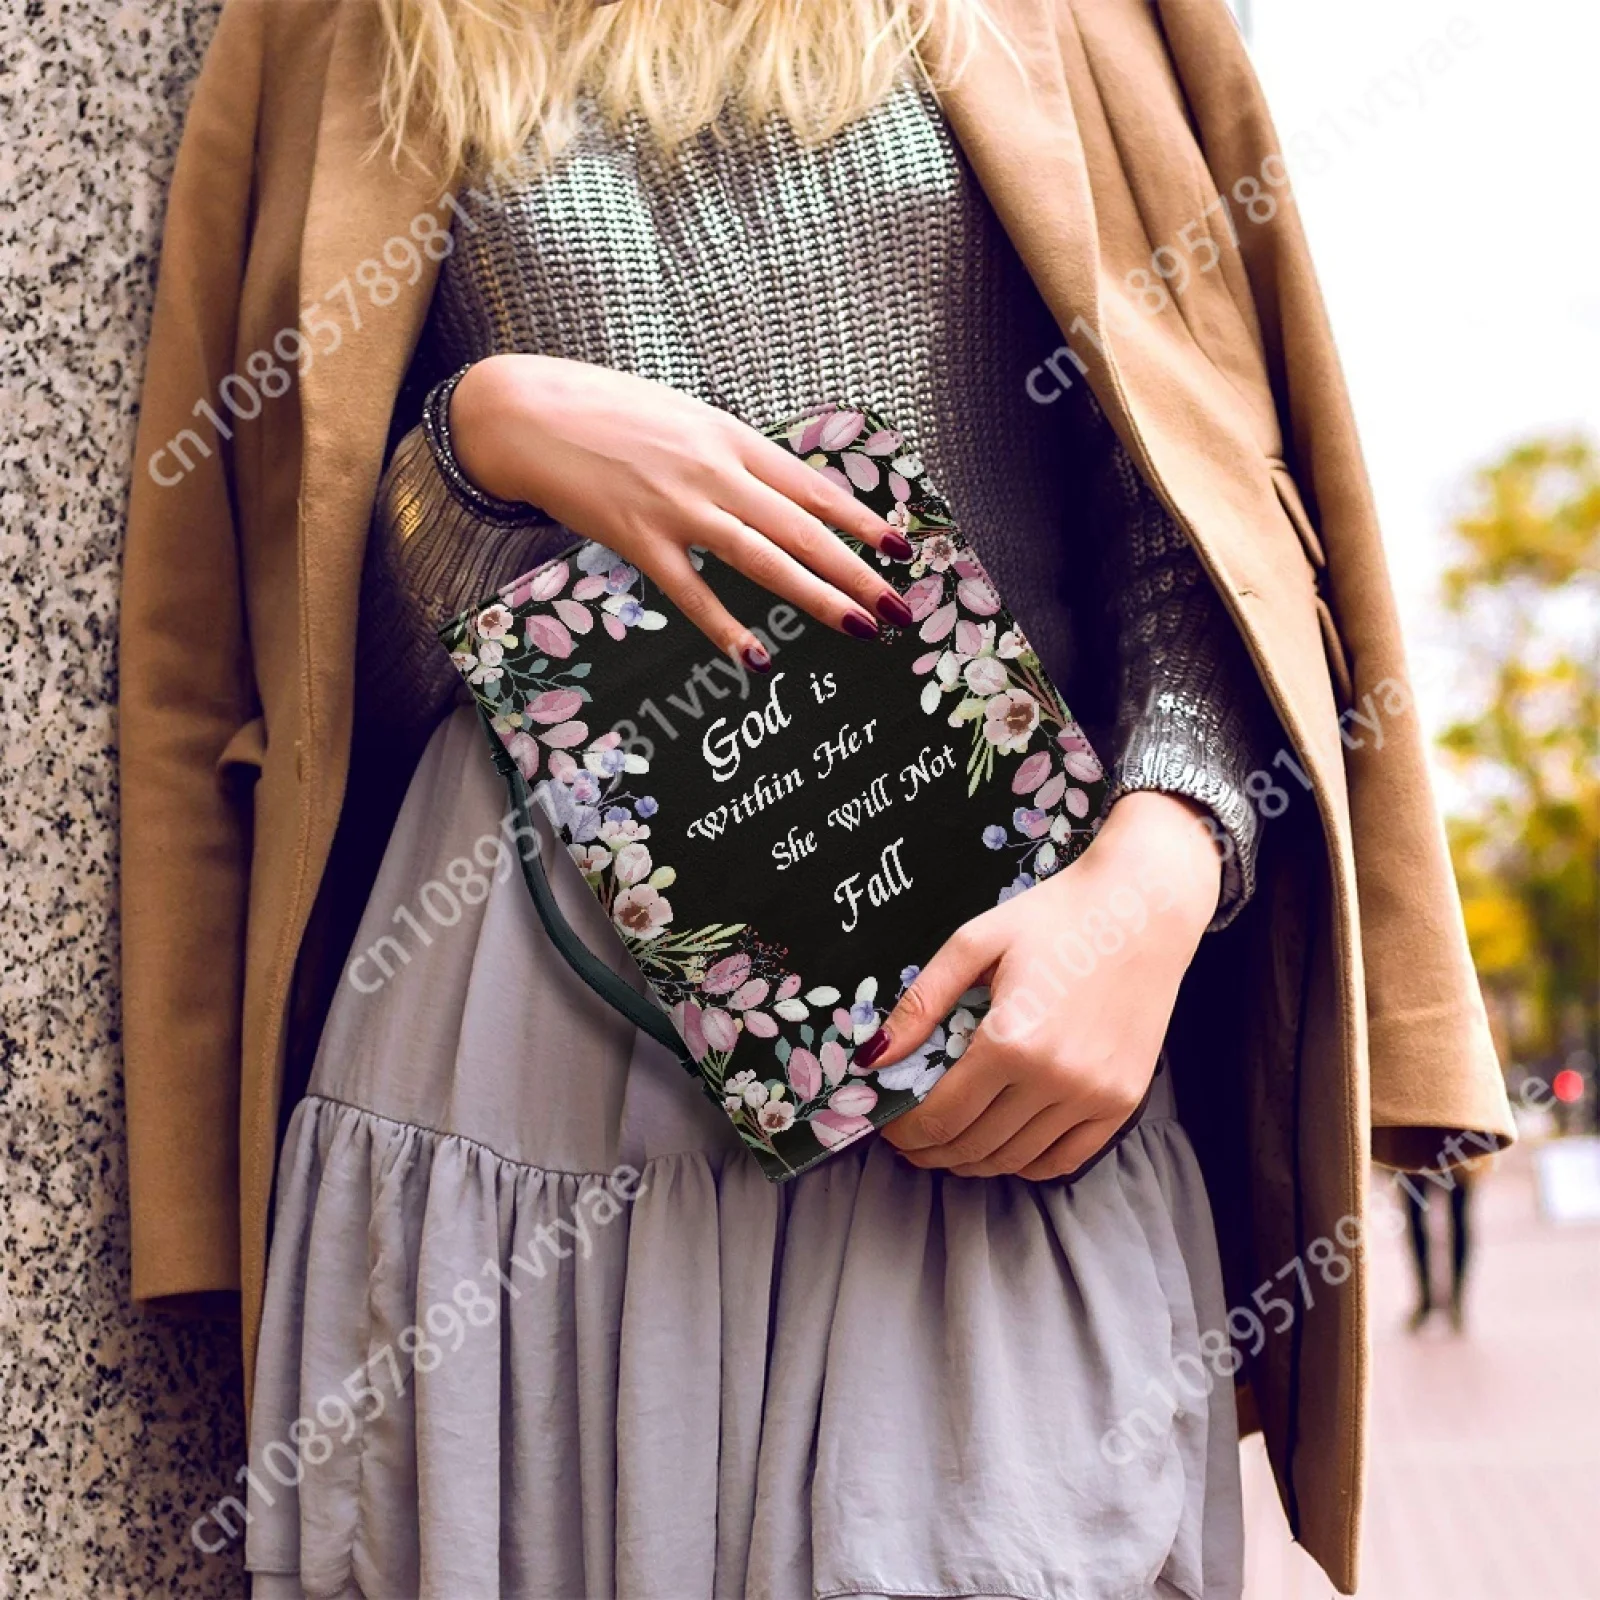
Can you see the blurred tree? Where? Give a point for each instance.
(1526, 586)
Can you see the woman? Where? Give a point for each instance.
(897, 1328)
(532, 1324)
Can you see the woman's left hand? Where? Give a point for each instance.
(1083, 971)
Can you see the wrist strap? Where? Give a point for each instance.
(643, 1013)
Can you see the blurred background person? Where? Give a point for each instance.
(1459, 1207)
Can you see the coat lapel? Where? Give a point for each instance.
(1032, 124)
(1012, 111)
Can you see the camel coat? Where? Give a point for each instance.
(1337, 1021)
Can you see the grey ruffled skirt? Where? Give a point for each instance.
(536, 1326)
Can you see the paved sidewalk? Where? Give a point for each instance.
(1485, 1469)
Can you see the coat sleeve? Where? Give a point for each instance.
(1434, 1069)
(188, 722)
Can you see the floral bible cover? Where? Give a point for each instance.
(781, 853)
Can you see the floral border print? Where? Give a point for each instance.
(775, 1046)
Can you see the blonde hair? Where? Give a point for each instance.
(483, 79)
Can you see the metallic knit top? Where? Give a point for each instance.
(765, 275)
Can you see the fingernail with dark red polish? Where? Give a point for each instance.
(859, 625)
(873, 1048)
(894, 610)
(756, 658)
(896, 546)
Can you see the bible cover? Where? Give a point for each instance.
(781, 853)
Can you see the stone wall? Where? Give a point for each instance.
(117, 1429)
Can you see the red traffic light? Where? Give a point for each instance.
(1567, 1086)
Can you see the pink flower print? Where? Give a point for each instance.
(579, 619)
(882, 443)
(686, 1018)
(969, 638)
(565, 735)
(834, 1062)
(805, 1074)
(789, 988)
(548, 582)
(898, 517)
(841, 429)
(1031, 774)
(804, 437)
(549, 635)
(722, 1032)
(563, 768)
(727, 974)
(862, 471)
(1050, 792)
(976, 595)
(937, 551)
(938, 626)
(1009, 720)
(495, 622)
(1077, 803)
(854, 1099)
(923, 596)
(642, 912)
(986, 676)
(554, 705)
(834, 1129)
(1012, 644)
(760, 1024)
(749, 993)
(523, 748)
(1084, 765)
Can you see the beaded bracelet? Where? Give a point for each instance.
(436, 428)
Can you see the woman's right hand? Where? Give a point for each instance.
(649, 471)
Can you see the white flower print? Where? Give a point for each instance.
(775, 1116)
(495, 622)
(641, 911)
(624, 831)
(986, 676)
(962, 1027)
(1009, 720)
(633, 864)
(591, 858)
